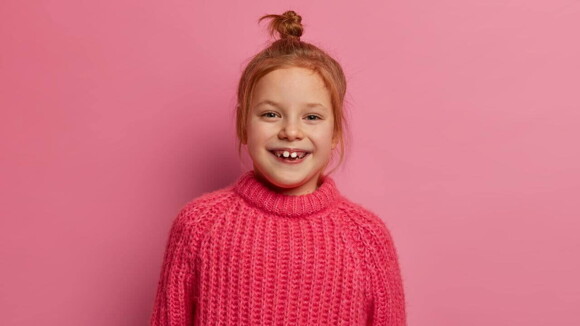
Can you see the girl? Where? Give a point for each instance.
(281, 245)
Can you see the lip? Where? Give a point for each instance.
(288, 149)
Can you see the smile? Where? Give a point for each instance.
(287, 157)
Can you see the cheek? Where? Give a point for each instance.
(256, 138)
(251, 132)
(261, 132)
(254, 135)
(324, 138)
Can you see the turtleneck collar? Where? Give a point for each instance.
(258, 194)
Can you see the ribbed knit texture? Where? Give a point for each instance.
(246, 255)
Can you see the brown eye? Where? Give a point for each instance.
(312, 117)
(269, 115)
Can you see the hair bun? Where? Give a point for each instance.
(288, 25)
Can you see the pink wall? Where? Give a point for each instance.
(464, 119)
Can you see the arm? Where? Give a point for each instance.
(384, 277)
(174, 298)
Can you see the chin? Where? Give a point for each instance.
(287, 182)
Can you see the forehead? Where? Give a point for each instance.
(290, 86)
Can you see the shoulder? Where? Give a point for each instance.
(202, 210)
(359, 214)
(206, 202)
(368, 227)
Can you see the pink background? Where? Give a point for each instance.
(464, 119)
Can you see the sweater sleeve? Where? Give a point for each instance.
(174, 298)
(387, 298)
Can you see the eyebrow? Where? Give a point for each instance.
(309, 105)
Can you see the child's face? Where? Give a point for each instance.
(283, 117)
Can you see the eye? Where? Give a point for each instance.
(269, 115)
(313, 117)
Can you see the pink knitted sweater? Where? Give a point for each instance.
(246, 255)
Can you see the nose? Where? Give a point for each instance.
(291, 131)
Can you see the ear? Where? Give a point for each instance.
(334, 142)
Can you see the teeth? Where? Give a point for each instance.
(293, 155)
